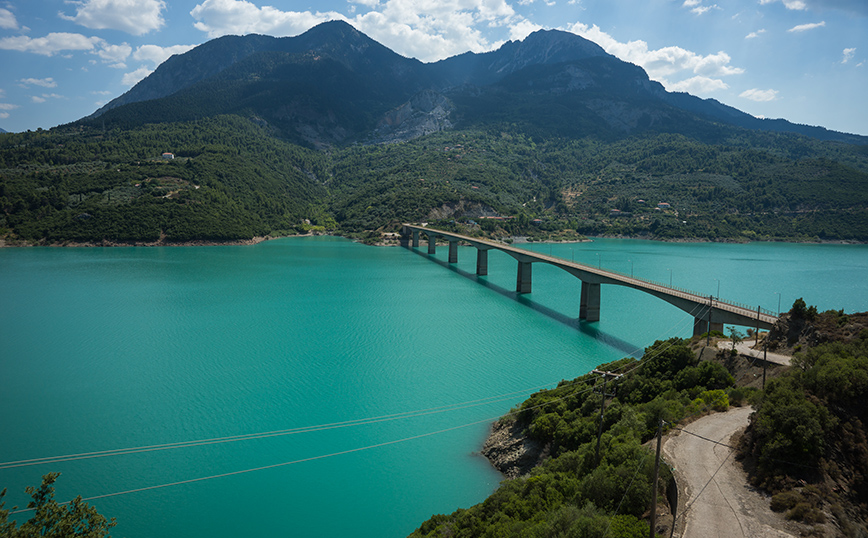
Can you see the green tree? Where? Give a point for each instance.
(53, 520)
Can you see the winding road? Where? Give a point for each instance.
(715, 499)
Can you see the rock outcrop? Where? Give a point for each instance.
(510, 450)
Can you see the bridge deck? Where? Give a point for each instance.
(721, 311)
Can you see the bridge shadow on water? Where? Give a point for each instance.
(574, 323)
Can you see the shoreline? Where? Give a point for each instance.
(4, 243)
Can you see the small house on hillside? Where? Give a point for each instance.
(168, 156)
(663, 205)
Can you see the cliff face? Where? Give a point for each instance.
(510, 451)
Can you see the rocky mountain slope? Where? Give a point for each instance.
(334, 86)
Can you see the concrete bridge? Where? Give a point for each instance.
(709, 313)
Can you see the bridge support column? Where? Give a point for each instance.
(432, 244)
(416, 238)
(701, 326)
(453, 251)
(522, 282)
(589, 304)
(481, 262)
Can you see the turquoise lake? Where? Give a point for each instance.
(112, 348)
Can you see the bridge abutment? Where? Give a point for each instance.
(701, 326)
(589, 303)
(522, 281)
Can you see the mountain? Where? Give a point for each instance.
(255, 135)
(334, 86)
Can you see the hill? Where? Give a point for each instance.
(331, 130)
(806, 443)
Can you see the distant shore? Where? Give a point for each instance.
(393, 242)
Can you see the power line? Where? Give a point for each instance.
(261, 435)
(396, 416)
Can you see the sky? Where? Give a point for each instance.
(802, 60)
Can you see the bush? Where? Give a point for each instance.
(785, 500)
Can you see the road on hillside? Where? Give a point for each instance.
(715, 500)
(745, 349)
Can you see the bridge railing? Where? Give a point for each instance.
(687, 293)
(681, 292)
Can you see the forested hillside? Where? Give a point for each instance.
(572, 493)
(226, 181)
(231, 179)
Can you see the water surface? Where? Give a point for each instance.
(108, 348)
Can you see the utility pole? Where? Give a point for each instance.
(606, 377)
(708, 326)
(654, 485)
(765, 362)
(756, 341)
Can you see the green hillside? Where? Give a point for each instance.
(232, 179)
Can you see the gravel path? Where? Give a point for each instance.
(715, 500)
(745, 349)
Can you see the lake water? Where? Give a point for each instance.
(112, 348)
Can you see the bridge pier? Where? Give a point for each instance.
(432, 244)
(416, 238)
(522, 281)
(589, 303)
(701, 326)
(453, 251)
(481, 261)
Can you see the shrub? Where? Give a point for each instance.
(785, 500)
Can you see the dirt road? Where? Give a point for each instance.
(745, 349)
(715, 500)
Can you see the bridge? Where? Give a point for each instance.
(709, 313)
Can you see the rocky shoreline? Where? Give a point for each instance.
(510, 451)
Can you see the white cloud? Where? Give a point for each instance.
(425, 29)
(114, 54)
(799, 5)
(7, 20)
(697, 7)
(759, 95)
(157, 55)
(239, 17)
(51, 44)
(806, 27)
(44, 82)
(858, 7)
(4, 107)
(753, 35)
(136, 17)
(131, 79)
(698, 85)
(848, 55)
(37, 99)
(665, 63)
(522, 29)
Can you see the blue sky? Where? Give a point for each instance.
(802, 60)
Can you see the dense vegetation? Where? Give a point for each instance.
(53, 520)
(231, 179)
(227, 181)
(571, 493)
(808, 438)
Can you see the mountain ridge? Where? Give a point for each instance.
(570, 69)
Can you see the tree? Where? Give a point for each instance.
(53, 520)
(735, 336)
